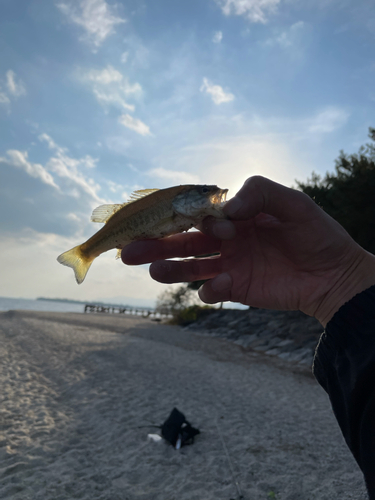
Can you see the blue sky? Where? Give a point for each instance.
(100, 98)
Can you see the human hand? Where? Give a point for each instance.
(278, 251)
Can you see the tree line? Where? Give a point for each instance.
(348, 194)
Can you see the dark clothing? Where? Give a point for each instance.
(344, 366)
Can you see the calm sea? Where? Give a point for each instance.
(7, 304)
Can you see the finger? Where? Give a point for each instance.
(216, 290)
(218, 228)
(259, 194)
(179, 245)
(171, 271)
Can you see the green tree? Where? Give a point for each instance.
(174, 300)
(183, 304)
(348, 195)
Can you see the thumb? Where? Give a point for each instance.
(261, 195)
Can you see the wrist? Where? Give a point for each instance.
(357, 277)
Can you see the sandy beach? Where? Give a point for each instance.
(80, 393)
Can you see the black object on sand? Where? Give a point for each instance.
(177, 430)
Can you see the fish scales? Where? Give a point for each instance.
(149, 214)
(124, 230)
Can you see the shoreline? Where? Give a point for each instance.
(79, 389)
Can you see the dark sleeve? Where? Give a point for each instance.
(344, 366)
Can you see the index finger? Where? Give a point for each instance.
(178, 245)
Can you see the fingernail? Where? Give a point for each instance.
(222, 283)
(232, 206)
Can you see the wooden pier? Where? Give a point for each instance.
(145, 313)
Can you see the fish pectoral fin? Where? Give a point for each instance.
(105, 212)
(118, 254)
(75, 259)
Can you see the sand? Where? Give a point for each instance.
(79, 394)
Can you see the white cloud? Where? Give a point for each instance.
(218, 36)
(19, 159)
(4, 99)
(68, 168)
(89, 162)
(114, 187)
(132, 167)
(111, 87)
(289, 37)
(293, 40)
(96, 17)
(174, 176)
(328, 120)
(217, 93)
(134, 124)
(103, 76)
(255, 11)
(107, 97)
(72, 216)
(51, 143)
(16, 89)
(60, 164)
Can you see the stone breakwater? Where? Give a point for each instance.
(290, 335)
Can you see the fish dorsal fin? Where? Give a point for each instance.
(141, 193)
(104, 212)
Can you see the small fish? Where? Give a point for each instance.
(150, 213)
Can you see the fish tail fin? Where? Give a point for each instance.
(77, 260)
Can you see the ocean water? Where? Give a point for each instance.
(7, 304)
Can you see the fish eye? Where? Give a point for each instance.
(205, 190)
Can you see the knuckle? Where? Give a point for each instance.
(255, 181)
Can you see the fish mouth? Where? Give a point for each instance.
(220, 197)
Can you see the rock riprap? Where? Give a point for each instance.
(290, 335)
